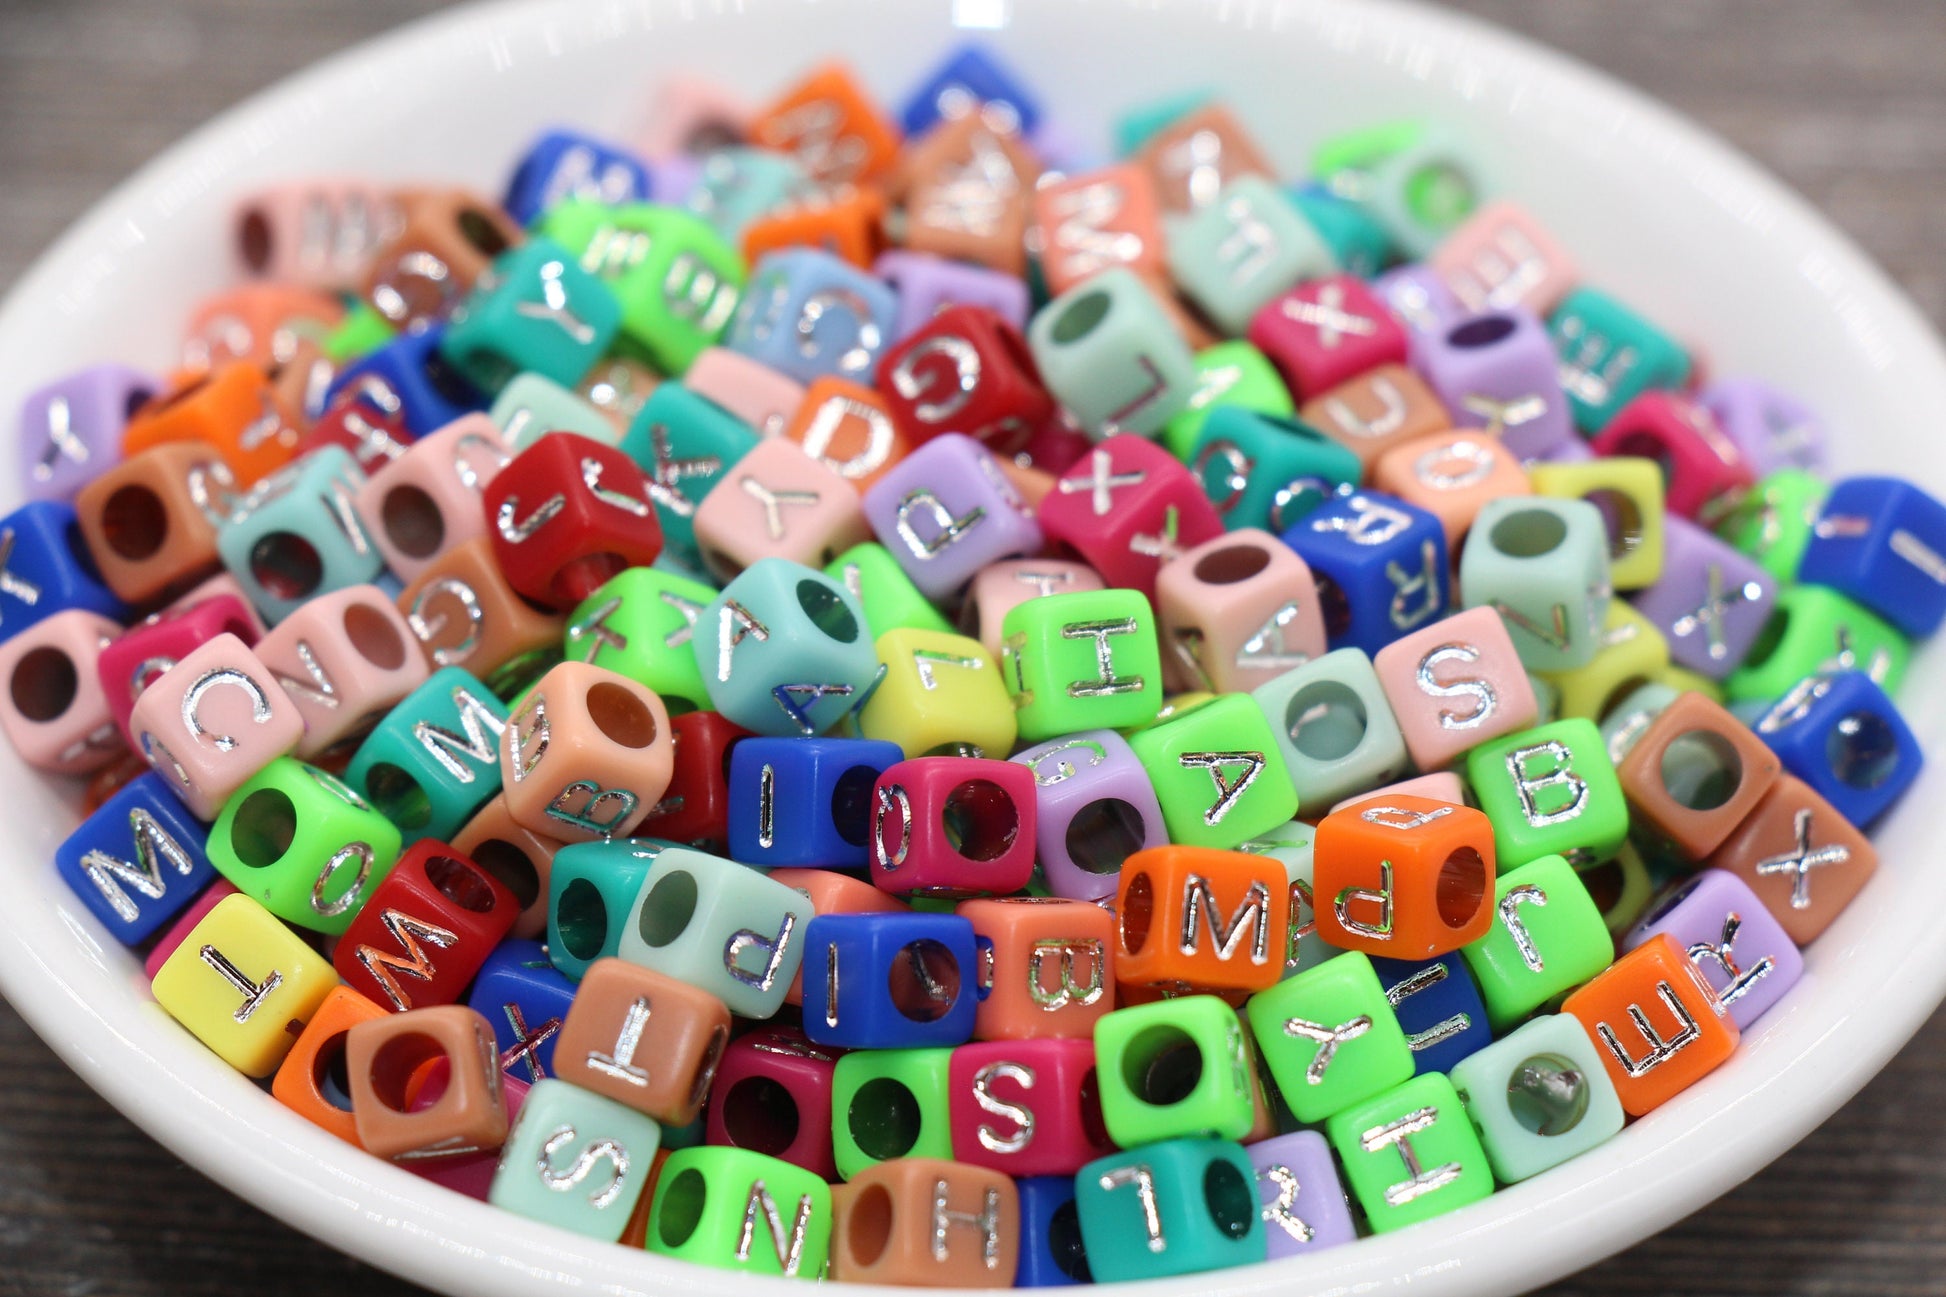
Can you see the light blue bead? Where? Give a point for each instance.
(530, 406)
(736, 186)
(1109, 351)
(1609, 355)
(297, 536)
(575, 1159)
(686, 443)
(1334, 727)
(1542, 564)
(1538, 1097)
(535, 309)
(808, 314)
(784, 650)
(1237, 254)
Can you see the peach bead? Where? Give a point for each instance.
(1454, 685)
(587, 755)
(1501, 257)
(1236, 612)
(847, 428)
(926, 1222)
(345, 659)
(1097, 221)
(1001, 587)
(429, 499)
(1376, 411)
(54, 711)
(1440, 786)
(521, 859)
(688, 114)
(1052, 971)
(749, 389)
(320, 233)
(261, 323)
(212, 721)
(1451, 475)
(778, 502)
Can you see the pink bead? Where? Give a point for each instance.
(429, 500)
(759, 1072)
(345, 659)
(749, 389)
(1327, 331)
(1440, 786)
(1703, 467)
(1501, 257)
(144, 651)
(990, 804)
(54, 711)
(179, 930)
(778, 502)
(688, 114)
(212, 721)
(1125, 508)
(223, 583)
(467, 1173)
(319, 233)
(1454, 685)
(1236, 612)
(1051, 1081)
(999, 588)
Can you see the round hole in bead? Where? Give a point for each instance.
(1080, 316)
(1528, 533)
(1701, 770)
(330, 1074)
(1231, 564)
(482, 231)
(621, 715)
(461, 884)
(924, 980)
(884, 1118)
(760, 1114)
(868, 1225)
(1064, 1243)
(1162, 1065)
(1138, 912)
(512, 868)
(134, 522)
(1326, 720)
(374, 636)
(44, 684)
(1103, 834)
(263, 828)
(1439, 194)
(1481, 331)
(254, 238)
(398, 1061)
(412, 522)
(1769, 638)
(397, 796)
(1621, 516)
(827, 610)
(1863, 749)
(581, 918)
(680, 1204)
(1230, 1198)
(851, 804)
(979, 820)
(1547, 1094)
(286, 566)
(1462, 887)
(668, 907)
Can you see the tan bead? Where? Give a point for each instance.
(1802, 858)
(926, 1222)
(1376, 411)
(464, 614)
(1193, 157)
(520, 858)
(587, 756)
(1694, 775)
(968, 189)
(644, 1039)
(446, 239)
(386, 1059)
(150, 521)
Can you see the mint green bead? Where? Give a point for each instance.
(1774, 522)
(1547, 938)
(1228, 373)
(1547, 699)
(1333, 727)
(784, 650)
(1218, 772)
(686, 444)
(890, 599)
(591, 888)
(1330, 1037)
(1178, 1206)
(531, 405)
(639, 623)
(1357, 241)
(1173, 1068)
(1291, 847)
(1138, 125)
(1538, 1097)
(1542, 564)
(888, 1103)
(303, 845)
(1813, 629)
(1051, 659)
(1267, 472)
(1236, 255)
(736, 186)
(1550, 791)
(575, 1160)
(1421, 191)
(706, 1195)
(1628, 719)
(1109, 352)
(534, 309)
(1426, 1115)
(1610, 355)
(435, 758)
(307, 503)
(720, 926)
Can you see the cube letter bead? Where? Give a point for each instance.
(1609, 355)
(1001, 587)
(830, 126)
(1375, 411)
(244, 984)
(575, 1160)
(587, 755)
(1703, 469)
(297, 534)
(777, 502)
(1173, 1068)
(784, 650)
(1542, 564)
(831, 892)
(1238, 611)
(590, 893)
(1098, 220)
(739, 1210)
(804, 802)
(1194, 151)
(939, 693)
(1628, 494)
(212, 721)
(303, 845)
(1267, 470)
(1773, 429)
(1630, 651)
(1304, 1205)
(1439, 1008)
(1547, 937)
(565, 515)
(1804, 861)
(1219, 773)
(1658, 1025)
(71, 429)
(1127, 507)
(425, 930)
(945, 512)
(429, 499)
(643, 1039)
(137, 861)
(1879, 541)
(1330, 1037)
(1404, 877)
(1093, 808)
(534, 310)
(1813, 629)
(685, 444)
(1550, 791)
(889, 981)
(231, 408)
(1235, 255)
(1048, 967)
(1451, 475)
(772, 1095)
(1454, 685)
(1500, 256)
(150, 520)
(1497, 372)
(566, 164)
(926, 1221)
(525, 998)
(1232, 375)
(304, 1081)
(1538, 1097)
(1327, 331)
(1410, 1154)
(56, 709)
(435, 757)
(807, 314)
(1380, 565)
(1196, 917)
(1729, 934)
(1051, 1253)
(464, 614)
(965, 370)
(1334, 726)
(1108, 351)
(345, 659)
(1694, 775)
(640, 624)
(889, 1103)
(1841, 734)
(386, 1057)
(48, 569)
(1711, 602)
(1178, 1206)
(890, 599)
(1081, 661)
(443, 241)
(953, 827)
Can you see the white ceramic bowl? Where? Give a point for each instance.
(1653, 207)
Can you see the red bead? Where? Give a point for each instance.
(133, 661)
(966, 370)
(1327, 331)
(1702, 467)
(772, 1094)
(953, 826)
(426, 929)
(695, 808)
(568, 513)
(370, 435)
(1026, 1107)
(1126, 507)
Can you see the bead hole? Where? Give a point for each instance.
(1103, 834)
(868, 1226)
(760, 1114)
(44, 684)
(581, 918)
(1064, 1242)
(884, 1118)
(263, 828)
(398, 796)
(1482, 331)
(924, 980)
(1231, 564)
(1079, 318)
(1621, 516)
(1863, 749)
(1701, 770)
(460, 883)
(682, 1201)
(1326, 720)
(1162, 1065)
(1528, 533)
(621, 715)
(512, 867)
(851, 804)
(374, 636)
(286, 566)
(481, 231)
(667, 908)
(1138, 912)
(1462, 887)
(827, 611)
(1547, 1095)
(1231, 1199)
(331, 1074)
(979, 820)
(254, 240)
(134, 522)
(412, 521)
(400, 1063)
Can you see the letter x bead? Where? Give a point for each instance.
(1802, 859)
(1101, 482)
(1329, 316)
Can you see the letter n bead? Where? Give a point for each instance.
(575, 1160)
(1454, 685)
(244, 984)
(784, 650)
(735, 1209)
(1410, 1153)
(889, 981)
(426, 930)
(212, 721)
(1026, 1107)
(643, 1039)
(1404, 877)
(588, 754)
(1657, 1024)
(927, 1222)
(565, 515)
(721, 927)
(1196, 917)
(1177, 1206)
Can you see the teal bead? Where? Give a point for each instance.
(1357, 241)
(1538, 1097)
(307, 505)
(1609, 356)
(1542, 564)
(1180, 1206)
(530, 406)
(1334, 727)
(1236, 255)
(1109, 351)
(435, 758)
(888, 1103)
(591, 888)
(1267, 472)
(736, 186)
(535, 309)
(1291, 847)
(784, 650)
(685, 443)
(1139, 124)
(575, 1160)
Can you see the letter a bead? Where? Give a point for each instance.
(1656, 1022)
(784, 650)
(1219, 775)
(244, 984)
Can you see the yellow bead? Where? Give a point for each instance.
(1683, 680)
(244, 984)
(1629, 493)
(1632, 653)
(938, 692)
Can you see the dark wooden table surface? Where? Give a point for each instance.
(1846, 99)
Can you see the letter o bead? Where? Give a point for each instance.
(1404, 877)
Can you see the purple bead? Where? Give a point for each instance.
(1572, 451)
(1773, 429)
(672, 178)
(1061, 149)
(1731, 938)
(1418, 298)
(71, 430)
(1711, 601)
(927, 285)
(1304, 1203)
(1093, 808)
(946, 511)
(1499, 371)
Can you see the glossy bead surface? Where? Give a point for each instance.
(889, 981)
(1879, 541)
(1172, 1069)
(1178, 1206)
(1841, 734)
(1094, 807)
(1082, 661)
(804, 803)
(1551, 790)
(434, 759)
(705, 1195)
(1729, 934)
(1498, 371)
(1803, 860)
(212, 721)
(239, 981)
(1404, 877)
(643, 1039)
(1265, 470)
(946, 511)
(926, 1222)
(808, 314)
(137, 861)
(575, 1160)
(591, 891)
(1225, 910)
(1108, 352)
(1127, 507)
(1610, 355)
(1542, 565)
(1330, 1037)
(1454, 685)
(1658, 1025)
(1538, 1097)
(71, 429)
(1325, 332)
(303, 845)
(56, 709)
(425, 930)
(1547, 937)
(1303, 1201)
(1235, 255)
(939, 693)
(1410, 1154)
(1381, 567)
(1219, 773)
(1334, 727)
(387, 1060)
(784, 650)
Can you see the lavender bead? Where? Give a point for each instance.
(927, 285)
(1731, 938)
(1498, 371)
(71, 430)
(1304, 1203)
(1062, 149)
(672, 179)
(1711, 601)
(1093, 808)
(946, 511)
(1773, 429)
(1418, 298)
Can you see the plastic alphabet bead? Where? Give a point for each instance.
(535, 310)
(303, 845)
(444, 241)
(1375, 411)
(831, 892)
(1538, 1097)
(243, 984)
(952, 827)
(71, 429)
(967, 186)
(568, 164)
(1231, 373)
(212, 721)
(1542, 565)
(889, 981)
(946, 511)
(1127, 507)
(319, 234)
(1501, 257)
(1729, 934)
(575, 1160)
(803, 802)
(1841, 734)
(150, 521)
(1238, 611)
(1330, 1037)
(137, 861)
(1109, 353)
(530, 406)
(939, 693)
(1815, 629)
(1081, 661)
(1657, 1022)
(1695, 773)
(642, 1038)
(1404, 877)
(297, 534)
(385, 1058)
(1026, 1107)
(1197, 917)
(1628, 493)
(1711, 603)
(1454, 685)
(830, 126)
(784, 650)
(345, 659)
(231, 408)
(425, 930)
(305, 1082)
(1334, 726)
(1195, 152)
(1631, 650)
(808, 314)
(407, 377)
(684, 444)
(1547, 937)
(640, 623)
(55, 709)
(525, 998)
(1177, 1206)
(567, 514)
(1551, 790)
(964, 370)
(1327, 331)
(1410, 1153)
(1234, 256)
(47, 569)
(1802, 858)
(1264, 470)
(1772, 429)
(735, 1209)
(1048, 966)
(586, 755)
(1497, 372)
(970, 78)
(1219, 773)
(890, 1103)
(926, 1222)
(1609, 356)
(1094, 807)
(1304, 1208)
(1380, 564)
(1438, 1006)
(1173, 1068)
(772, 1095)
(777, 502)
(434, 759)
(464, 614)
(1879, 540)
(1000, 587)
(591, 891)
(1703, 467)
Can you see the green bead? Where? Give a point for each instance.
(1137, 125)
(1333, 727)
(707, 1195)
(1550, 791)
(888, 1103)
(1609, 356)
(1266, 471)
(535, 309)
(1173, 1068)
(1773, 523)
(1814, 629)
(1232, 278)
(1357, 242)
(1083, 661)
(1218, 772)
(1178, 1206)
(1342, 160)
(301, 844)
(890, 600)
(591, 888)
(686, 444)
(435, 758)
(575, 1160)
(1291, 847)
(1329, 1037)
(530, 406)
(1229, 373)
(639, 624)
(1426, 1115)
(1547, 938)
(361, 332)
(1538, 1097)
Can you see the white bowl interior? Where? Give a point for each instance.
(1653, 209)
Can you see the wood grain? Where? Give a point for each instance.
(1844, 101)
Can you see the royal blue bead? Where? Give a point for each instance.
(1380, 564)
(1840, 734)
(858, 955)
(969, 72)
(45, 568)
(804, 803)
(1882, 541)
(526, 998)
(808, 314)
(1051, 1254)
(567, 164)
(138, 861)
(1439, 1008)
(408, 374)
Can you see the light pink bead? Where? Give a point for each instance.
(1441, 786)
(778, 502)
(54, 710)
(1001, 587)
(212, 721)
(749, 389)
(688, 114)
(345, 659)
(1236, 612)
(318, 233)
(1502, 257)
(1454, 685)
(428, 500)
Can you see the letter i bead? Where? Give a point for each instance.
(244, 984)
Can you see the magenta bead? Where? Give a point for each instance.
(953, 826)
(1055, 1127)
(1325, 332)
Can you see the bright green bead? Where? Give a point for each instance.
(1173, 1068)
(1426, 1113)
(888, 1103)
(1052, 661)
(890, 599)
(1609, 356)
(1136, 126)
(1333, 727)
(1267, 472)
(1538, 1097)
(1290, 847)
(1229, 373)
(362, 331)
(591, 887)
(1341, 160)
(639, 624)
(1773, 523)
(531, 405)
(302, 845)
(1329, 1037)
(686, 443)
(1178, 1206)
(536, 310)
(576, 1160)
(1232, 278)
(706, 1194)
(1358, 242)
(1813, 629)
(435, 758)
(1550, 791)
(1547, 938)
(1218, 773)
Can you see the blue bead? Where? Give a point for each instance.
(526, 998)
(408, 374)
(969, 72)
(138, 861)
(1439, 1008)
(808, 314)
(804, 803)
(686, 443)
(926, 961)
(567, 164)
(1051, 1254)
(1380, 564)
(1840, 734)
(297, 535)
(45, 568)
(1882, 541)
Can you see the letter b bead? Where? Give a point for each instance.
(1404, 877)
(588, 754)
(784, 650)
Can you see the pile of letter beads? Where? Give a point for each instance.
(831, 694)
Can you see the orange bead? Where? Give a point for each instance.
(1403, 877)
(1051, 970)
(1451, 475)
(234, 408)
(831, 126)
(1656, 1023)
(848, 223)
(849, 429)
(300, 1082)
(1203, 919)
(261, 323)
